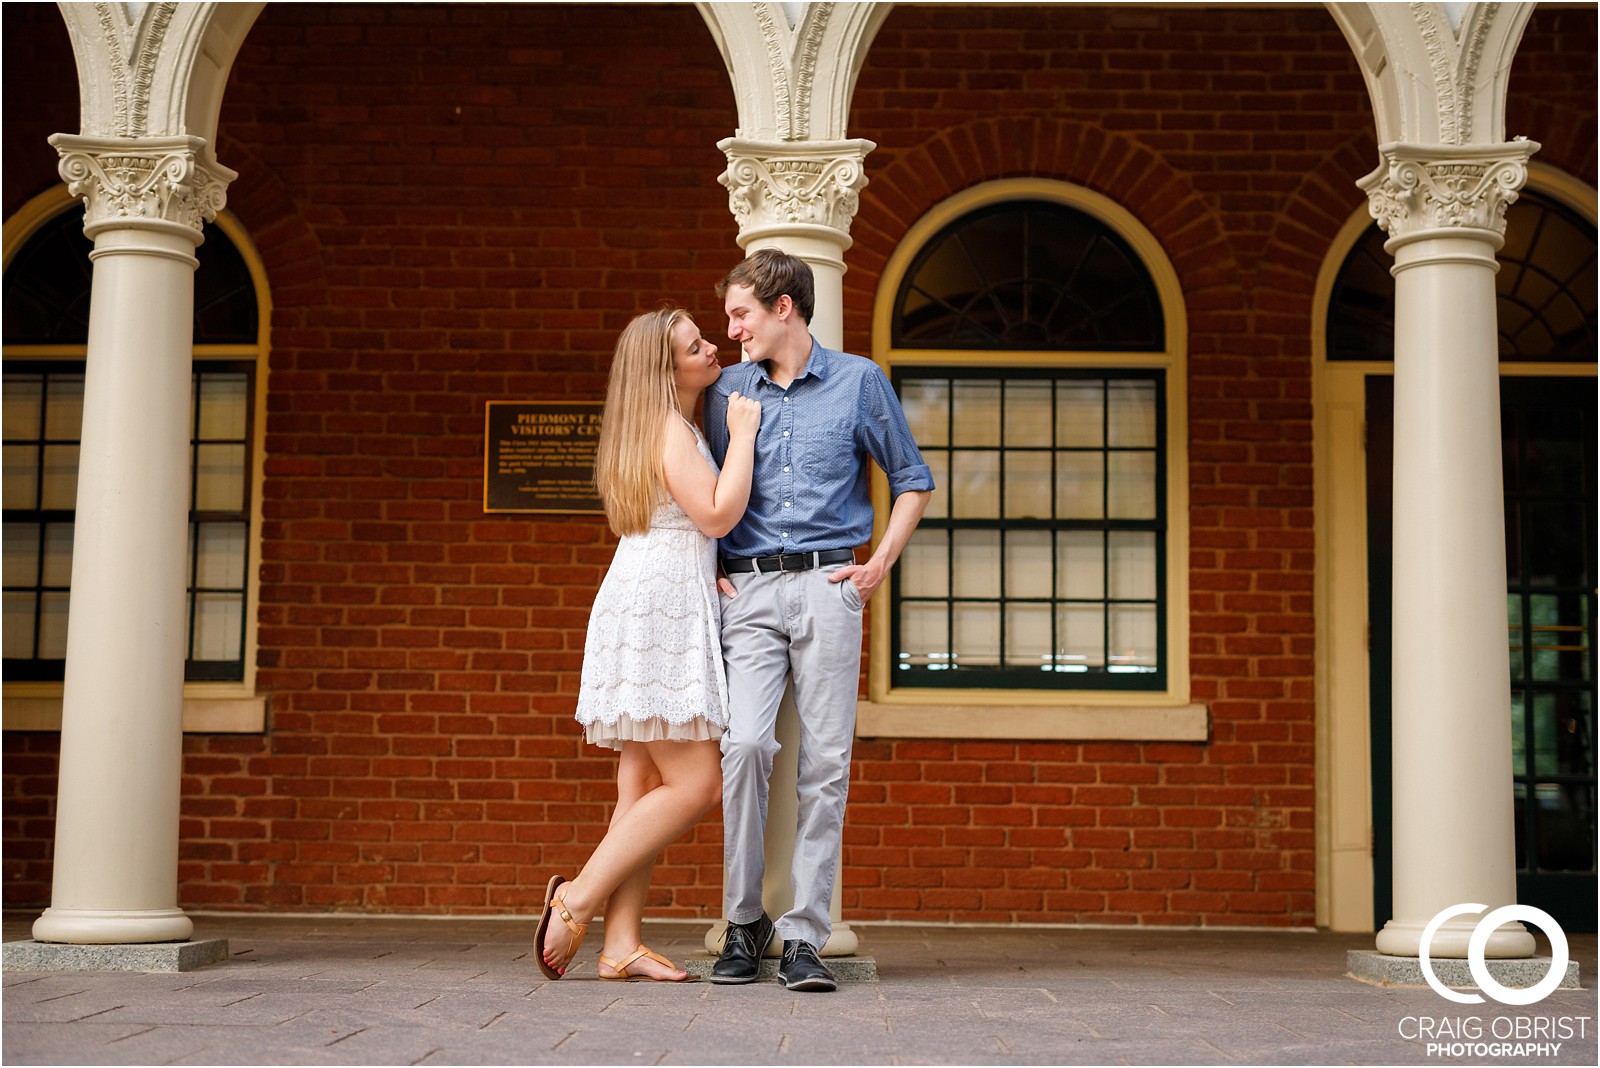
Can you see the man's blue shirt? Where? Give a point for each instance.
(810, 491)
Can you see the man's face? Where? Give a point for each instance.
(757, 329)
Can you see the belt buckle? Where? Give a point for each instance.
(799, 560)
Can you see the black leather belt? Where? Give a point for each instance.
(788, 561)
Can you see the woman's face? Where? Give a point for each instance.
(694, 359)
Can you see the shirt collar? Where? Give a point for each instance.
(818, 363)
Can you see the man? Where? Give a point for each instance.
(794, 594)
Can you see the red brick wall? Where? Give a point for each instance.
(465, 203)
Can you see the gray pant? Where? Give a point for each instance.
(787, 622)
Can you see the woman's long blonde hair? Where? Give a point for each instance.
(641, 396)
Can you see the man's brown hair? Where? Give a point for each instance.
(771, 274)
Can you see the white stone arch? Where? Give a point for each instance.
(154, 70)
(1437, 73)
(793, 65)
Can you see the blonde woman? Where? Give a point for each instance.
(653, 684)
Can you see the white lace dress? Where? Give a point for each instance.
(652, 661)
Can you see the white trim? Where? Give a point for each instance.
(223, 715)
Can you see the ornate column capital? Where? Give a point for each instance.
(793, 187)
(1438, 190)
(162, 183)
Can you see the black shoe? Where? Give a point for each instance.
(742, 947)
(802, 969)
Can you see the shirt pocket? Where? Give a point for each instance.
(827, 450)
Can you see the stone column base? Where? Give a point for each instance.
(1381, 969)
(31, 956)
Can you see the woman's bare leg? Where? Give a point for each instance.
(636, 776)
(690, 786)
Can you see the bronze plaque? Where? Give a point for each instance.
(539, 456)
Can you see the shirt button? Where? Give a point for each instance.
(786, 468)
(786, 400)
(785, 433)
(786, 504)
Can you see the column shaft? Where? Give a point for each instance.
(1451, 703)
(116, 856)
(1453, 830)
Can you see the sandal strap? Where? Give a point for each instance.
(578, 930)
(621, 967)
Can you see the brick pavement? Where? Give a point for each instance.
(365, 990)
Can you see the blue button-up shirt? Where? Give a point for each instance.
(810, 491)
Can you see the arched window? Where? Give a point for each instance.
(1545, 290)
(46, 320)
(1031, 350)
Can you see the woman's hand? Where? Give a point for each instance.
(744, 416)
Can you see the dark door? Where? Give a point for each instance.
(1548, 426)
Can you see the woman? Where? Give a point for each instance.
(653, 684)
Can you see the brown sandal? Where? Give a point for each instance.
(621, 968)
(555, 906)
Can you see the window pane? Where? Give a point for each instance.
(21, 554)
(939, 468)
(1028, 635)
(219, 482)
(1080, 493)
(221, 555)
(63, 413)
(1080, 414)
(977, 636)
(1519, 737)
(1028, 413)
(57, 554)
(1028, 563)
(924, 567)
(21, 476)
(1131, 485)
(924, 635)
(1080, 630)
(224, 406)
(975, 485)
(977, 563)
(977, 412)
(1133, 565)
(218, 626)
(1133, 637)
(24, 402)
(17, 633)
(53, 626)
(1028, 485)
(1131, 413)
(927, 406)
(60, 477)
(1080, 565)
(1560, 632)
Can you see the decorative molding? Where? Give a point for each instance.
(1432, 187)
(135, 48)
(792, 58)
(815, 183)
(130, 181)
(1453, 59)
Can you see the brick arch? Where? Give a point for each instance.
(1180, 217)
(289, 248)
(1302, 230)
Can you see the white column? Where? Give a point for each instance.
(116, 855)
(1444, 208)
(798, 196)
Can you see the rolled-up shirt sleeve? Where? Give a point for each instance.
(887, 436)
